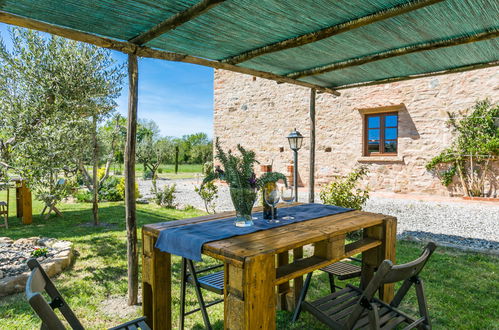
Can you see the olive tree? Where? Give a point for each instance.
(53, 93)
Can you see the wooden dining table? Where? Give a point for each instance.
(259, 266)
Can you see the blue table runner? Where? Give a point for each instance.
(187, 241)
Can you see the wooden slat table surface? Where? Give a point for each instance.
(252, 272)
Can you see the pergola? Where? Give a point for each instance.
(321, 44)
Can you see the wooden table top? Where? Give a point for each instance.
(277, 239)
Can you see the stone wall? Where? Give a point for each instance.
(259, 114)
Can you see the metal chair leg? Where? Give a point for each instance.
(199, 294)
(331, 283)
(183, 279)
(303, 294)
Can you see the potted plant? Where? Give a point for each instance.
(238, 172)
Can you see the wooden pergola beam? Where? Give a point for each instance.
(175, 21)
(130, 48)
(421, 75)
(484, 35)
(331, 30)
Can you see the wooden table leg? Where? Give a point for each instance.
(156, 285)
(297, 282)
(250, 294)
(371, 259)
(283, 289)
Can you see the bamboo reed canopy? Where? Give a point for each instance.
(322, 44)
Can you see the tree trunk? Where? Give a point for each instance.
(176, 159)
(95, 179)
(131, 221)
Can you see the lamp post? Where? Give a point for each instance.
(295, 140)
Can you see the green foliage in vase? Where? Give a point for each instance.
(474, 149)
(238, 171)
(344, 191)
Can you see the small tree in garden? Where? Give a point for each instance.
(344, 191)
(475, 147)
(51, 89)
(152, 153)
(208, 193)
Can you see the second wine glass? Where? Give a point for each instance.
(288, 196)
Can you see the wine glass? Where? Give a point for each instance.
(288, 197)
(271, 197)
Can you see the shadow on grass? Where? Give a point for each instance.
(75, 216)
(453, 239)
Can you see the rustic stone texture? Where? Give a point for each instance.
(259, 114)
(52, 266)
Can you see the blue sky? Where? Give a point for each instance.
(177, 96)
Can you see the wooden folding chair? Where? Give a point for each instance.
(38, 281)
(213, 282)
(354, 308)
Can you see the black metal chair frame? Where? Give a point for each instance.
(353, 308)
(210, 282)
(37, 282)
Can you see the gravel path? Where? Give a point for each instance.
(464, 224)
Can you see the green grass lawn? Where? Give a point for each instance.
(462, 288)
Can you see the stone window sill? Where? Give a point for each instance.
(382, 159)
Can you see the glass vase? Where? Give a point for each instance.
(243, 200)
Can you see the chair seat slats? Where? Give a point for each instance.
(393, 323)
(325, 305)
(342, 270)
(213, 282)
(331, 296)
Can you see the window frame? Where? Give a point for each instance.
(382, 139)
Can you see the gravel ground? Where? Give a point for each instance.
(462, 224)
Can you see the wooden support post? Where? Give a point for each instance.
(131, 221)
(371, 259)
(250, 291)
(27, 208)
(311, 180)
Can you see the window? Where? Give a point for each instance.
(380, 134)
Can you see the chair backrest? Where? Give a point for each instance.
(389, 273)
(38, 281)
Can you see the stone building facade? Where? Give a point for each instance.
(259, 114)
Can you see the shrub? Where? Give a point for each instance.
(189, 207)
(121, 189)
(470, 156)
(208, 193)
(166, 197)
(160, 170)
(83, 196)
(39, 252)
(109, 190)
(147, 175)
(343, 191)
